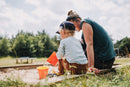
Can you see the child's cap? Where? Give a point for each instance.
(66, 25)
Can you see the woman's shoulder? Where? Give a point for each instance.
(87, 20)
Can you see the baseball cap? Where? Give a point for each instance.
(66, 25)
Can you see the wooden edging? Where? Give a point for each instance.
(28, 66)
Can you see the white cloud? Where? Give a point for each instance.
(113, 15)
(13, 19)
(33, 2)
(2, 3)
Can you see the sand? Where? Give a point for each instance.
(29, 76)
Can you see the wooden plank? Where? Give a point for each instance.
(121, 65)
(27, 66)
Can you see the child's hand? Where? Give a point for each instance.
(59, 74)
(95, 70)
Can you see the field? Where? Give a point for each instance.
(9, 61)
(118, 78)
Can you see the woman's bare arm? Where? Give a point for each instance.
(88, 36)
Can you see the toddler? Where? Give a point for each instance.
(70, 53)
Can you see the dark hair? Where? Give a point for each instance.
(72, 18)
(72, 15)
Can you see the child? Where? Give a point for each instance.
(70, 53)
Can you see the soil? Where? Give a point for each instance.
(30, 76)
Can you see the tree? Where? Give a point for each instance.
(50, 46)
(38, 46)
(1, 37)
(22, 45)
(124, 46)
(4, 47)
(28, 44)
(54, 39)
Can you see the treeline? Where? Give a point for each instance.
(26, 44)
(122, 47)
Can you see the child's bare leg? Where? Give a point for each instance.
(66, 64)
(61, 67)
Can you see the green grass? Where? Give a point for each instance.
(122, 60)
(10, 61)
(120, 78)
(12, 83)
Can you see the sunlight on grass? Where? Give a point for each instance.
(10, 61)
(6, 61)
(122, 60)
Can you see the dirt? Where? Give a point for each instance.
(30, 76)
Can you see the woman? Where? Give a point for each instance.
(99, 49)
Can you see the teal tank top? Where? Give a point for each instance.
(103, 46)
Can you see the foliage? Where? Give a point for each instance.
(11, 61)
(124, 46)
(11, 83)
(28, 45)
(50, 46)
(4, 47)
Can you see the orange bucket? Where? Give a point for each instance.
(53, 59)
(43, 71)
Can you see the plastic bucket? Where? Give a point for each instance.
(53, 59)
(43, 71)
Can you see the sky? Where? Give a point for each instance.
(37, 15)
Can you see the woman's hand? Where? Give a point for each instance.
(95, 70)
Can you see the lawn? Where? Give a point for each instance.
(120, 78)
(9, 61)
(122, 60)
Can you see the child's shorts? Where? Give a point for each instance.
(75, 68)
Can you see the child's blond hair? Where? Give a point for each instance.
(69, 32)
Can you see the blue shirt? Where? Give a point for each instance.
(70, 48)
(103, 46)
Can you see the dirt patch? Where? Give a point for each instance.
(28, 76)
